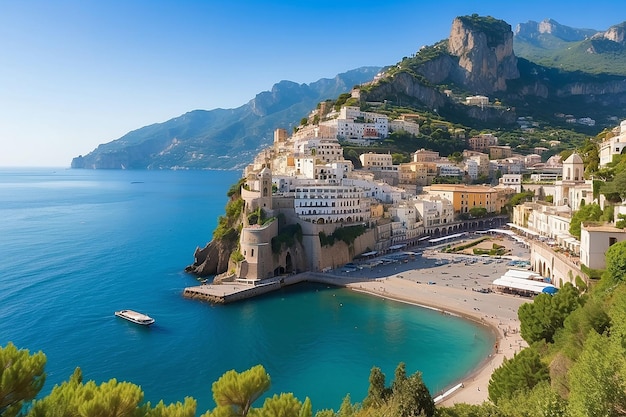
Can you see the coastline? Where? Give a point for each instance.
(451, 292)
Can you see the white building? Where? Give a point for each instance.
(613, 145)
(352, 124)
(512, 181)
(449, 170)
(595, 241)
(434, 212)
(573, 188)
(403, 125)
(471, 167)
(319, 202)
(408, 228)
(324, 149)
(477, 100)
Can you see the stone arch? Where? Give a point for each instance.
(349, 219)
(320, 221)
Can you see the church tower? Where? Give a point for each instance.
(265, 187)
(574, 168)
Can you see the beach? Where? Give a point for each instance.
(453, 284)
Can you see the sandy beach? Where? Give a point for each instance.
(449, 283)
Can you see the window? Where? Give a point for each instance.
(612, 241)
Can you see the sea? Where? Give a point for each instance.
(77, 245)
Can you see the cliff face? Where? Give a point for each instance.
(211, 260)
(486, 59)
(616, 33)
(405, 84)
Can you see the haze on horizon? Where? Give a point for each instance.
(76, 74)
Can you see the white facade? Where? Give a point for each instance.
(322, 203)
(512, 181)
(471, 167)
(407, 227)
(354, 124)
(573, 188)
(613, 146)
(434, 212)
(595, 241)
(324, 149)
(449, 170)
(409, 127)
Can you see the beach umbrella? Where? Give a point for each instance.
(550, 290)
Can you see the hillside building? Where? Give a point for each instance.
(482, 142)
(614, 145)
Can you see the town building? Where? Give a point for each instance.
(573, 190)
(372, 160)
(482, 142)
(595, 240)
(466, 197)
(614, 145)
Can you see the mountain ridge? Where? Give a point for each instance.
(478, 58)
(219, 138)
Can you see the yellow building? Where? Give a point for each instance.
(418, 173)
(466, 197)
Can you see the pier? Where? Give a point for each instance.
(229, 292)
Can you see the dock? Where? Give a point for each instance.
(230, 292)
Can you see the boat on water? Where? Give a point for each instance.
(135, 317)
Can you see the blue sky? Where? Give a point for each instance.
(78, 73)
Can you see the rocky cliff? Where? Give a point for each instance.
(478, 58)
(212, 259)
(484, 47)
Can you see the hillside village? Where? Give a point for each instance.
(303, 186)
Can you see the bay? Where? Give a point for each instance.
(76, 245)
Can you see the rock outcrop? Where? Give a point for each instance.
(211, 260)
(484, 47)
(616, 33)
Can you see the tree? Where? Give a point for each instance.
(588, 212)
(597, 383)
(110, 399)
(236, 392)
(377, 393)
(542, 400)
(456, 157)
(540, 319)
(520, 373)
(576, 327)
(284, 405)
(21, 378)
(412, 398)
(478, 212)
(616, 262)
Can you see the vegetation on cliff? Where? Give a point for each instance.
(346, 234)
(494, 29)
(287, 237)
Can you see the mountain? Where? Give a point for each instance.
(478, 59)
(220, 138)
(551, 44)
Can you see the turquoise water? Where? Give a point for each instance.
(76, 245)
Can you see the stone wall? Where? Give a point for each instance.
(557, 266)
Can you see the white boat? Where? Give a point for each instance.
(135, 317)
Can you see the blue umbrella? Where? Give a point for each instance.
(550, 290)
